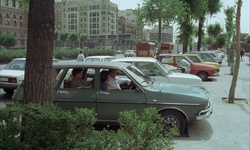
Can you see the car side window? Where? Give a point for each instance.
(56, 75)
(149, 68)
(106, 59)
(79, 78)
(167, 60)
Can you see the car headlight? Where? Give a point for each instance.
(208, 105)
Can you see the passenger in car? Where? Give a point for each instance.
(104, 81)
(77, 81)
(114, 81)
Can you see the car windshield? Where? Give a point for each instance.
(92, 59)
(16, 65)
(194, 59)
(163, 68)
(141, 78)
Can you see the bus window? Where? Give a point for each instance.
(166, 48)
(145, 49)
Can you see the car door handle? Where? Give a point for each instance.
(62, 92)
(103, 93)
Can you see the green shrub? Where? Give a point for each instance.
(10, 127)
(43, 126)
(144, 132)
(63, 54)
(36, 126)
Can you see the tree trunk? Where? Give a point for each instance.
(159, 39)
(37, 82)
(237, 63)
(185, 46)
(200, 33)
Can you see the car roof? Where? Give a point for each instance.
(19, 59)
(135, 59)
(187, 54)
(201, 52)
(75, 64)
(100, 57)
(172, 55)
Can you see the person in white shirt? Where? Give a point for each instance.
(80, 56)
(114, 81)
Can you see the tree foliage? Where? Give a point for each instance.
(210, 7)
(230, 25)
(192, 12)
(7, 40)
(164, 13)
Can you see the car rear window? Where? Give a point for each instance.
(16, 65)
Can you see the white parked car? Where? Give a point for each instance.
(153, 68)
(99, 58)
(12, 75)
(129, 53)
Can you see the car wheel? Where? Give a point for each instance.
(203, 76)
(8, 91)
(173, 119)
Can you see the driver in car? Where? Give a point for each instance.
(114, 81)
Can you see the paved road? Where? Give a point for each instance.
(228, 126)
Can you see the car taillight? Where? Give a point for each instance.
(12, 80)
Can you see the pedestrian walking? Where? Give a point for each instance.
(80, 56)
(242, 53)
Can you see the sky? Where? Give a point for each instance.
(219, 18)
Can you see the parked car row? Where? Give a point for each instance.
(209, 56)
(156, 70)
(180, 60)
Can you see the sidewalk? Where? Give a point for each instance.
(228, 126)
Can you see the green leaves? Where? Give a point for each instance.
(7, 40)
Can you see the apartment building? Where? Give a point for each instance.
(152, 34)
(100, 19)
(130, 19)
(96, 18)
(13, 20)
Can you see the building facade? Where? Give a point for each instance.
(166, 34)
(13, 20)
(95, 18)
(100, 20)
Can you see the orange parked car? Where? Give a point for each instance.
(180, 60)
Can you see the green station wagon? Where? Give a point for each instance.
(178, 104)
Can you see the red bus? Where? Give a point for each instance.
(166, 48)
(145, 49)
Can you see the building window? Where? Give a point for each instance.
(21, 5)
(14, 23)
(14, 3)
(6, 2)
(21, 24)
(7, 22)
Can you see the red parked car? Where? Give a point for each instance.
(180, 60)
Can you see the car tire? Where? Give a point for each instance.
(173, 119)
(8, 91)
(203, 75)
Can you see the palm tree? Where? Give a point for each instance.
(213, 7)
